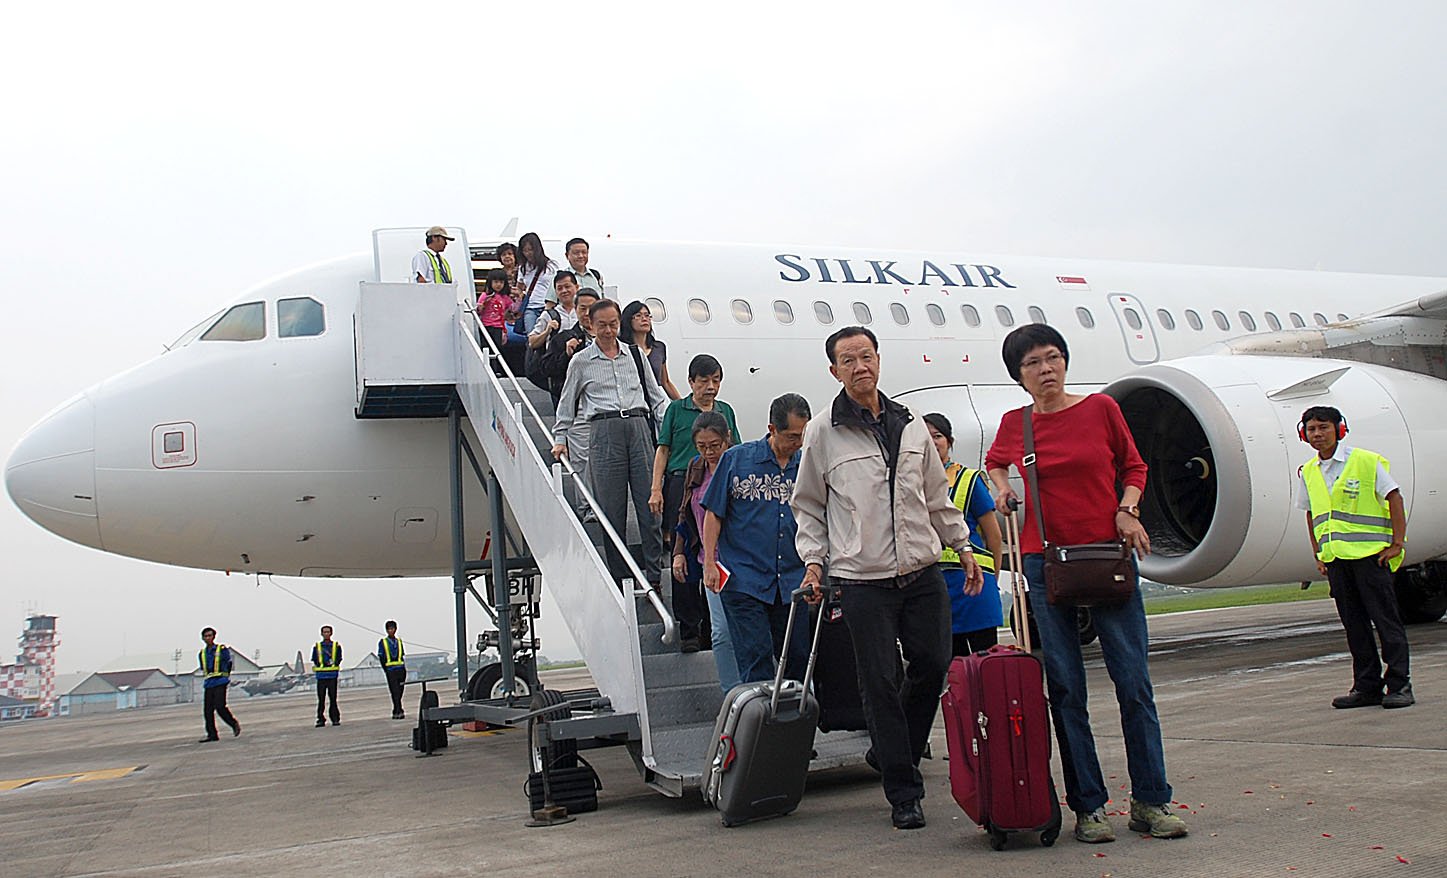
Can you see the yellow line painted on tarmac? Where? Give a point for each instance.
(73, 777)
(487, 734)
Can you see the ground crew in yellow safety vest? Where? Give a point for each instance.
(215, 662)
(326, 664)
(392, 657)
(429, 266)
(1358, 529)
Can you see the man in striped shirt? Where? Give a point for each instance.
(610, 387)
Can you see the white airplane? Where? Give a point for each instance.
(241, 447)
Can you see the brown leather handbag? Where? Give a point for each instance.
(1084, 575)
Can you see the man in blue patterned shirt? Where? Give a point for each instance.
(749, 529)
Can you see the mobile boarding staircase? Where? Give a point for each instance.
(420, 354)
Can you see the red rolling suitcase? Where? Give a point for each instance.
(997, 726)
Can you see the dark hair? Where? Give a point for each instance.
(601, 305)
(704, 365)
(786, 405)
(941, 424)
(571, 241)
(627, 320)
(504, 247)
(208, 628)
(391, 623)
(541, 260)
(495, 274)
(326, 628)
(1026, 339)
(848, 332)
(587, 291)
(1325, 413)
(562, 275)
(712, 421)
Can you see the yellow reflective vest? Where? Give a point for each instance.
(961, 490)
(392, 652)
(328, 657)
(1348, 520)
(441, 274)
(212, 665)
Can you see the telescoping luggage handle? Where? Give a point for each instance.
(1019, 600)
(794, 600)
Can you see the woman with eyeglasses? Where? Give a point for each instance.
(638, 331)
(1083, 450)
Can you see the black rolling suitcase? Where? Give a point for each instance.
(758, 757)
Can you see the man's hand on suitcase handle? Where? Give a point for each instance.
(812, 584)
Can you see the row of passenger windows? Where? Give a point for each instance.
(742, 312)
(295, 318)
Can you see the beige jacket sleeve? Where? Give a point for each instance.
(946, 518)
(811, 495)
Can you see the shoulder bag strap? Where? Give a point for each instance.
(1032, 481)
(643, 386)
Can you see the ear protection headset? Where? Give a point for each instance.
(1341, 430)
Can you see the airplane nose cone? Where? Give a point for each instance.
(51, 474)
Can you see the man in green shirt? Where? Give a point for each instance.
(670, 462)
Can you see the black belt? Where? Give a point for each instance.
(631, 413)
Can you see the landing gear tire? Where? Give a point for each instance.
(1422, 592)
(486, 683)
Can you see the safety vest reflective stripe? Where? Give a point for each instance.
(393, 659)
(966, 476)
(213, 668)
(1343, 534)
(441, 274)
(325, 657)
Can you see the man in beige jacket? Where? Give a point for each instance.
(872, 502)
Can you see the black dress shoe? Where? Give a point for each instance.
(321, 723)
(1356, 698)
(1401, 698)
(236, 730)
(208, 739)
(689, 644)
(908, 815)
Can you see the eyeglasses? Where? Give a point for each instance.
(1055, 358)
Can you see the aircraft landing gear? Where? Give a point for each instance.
(1422, 592)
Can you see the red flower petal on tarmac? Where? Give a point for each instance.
(1183, 807)
(1402, 859)
(1247, 793)
(1310, 802)
(1326, 835)
(1098, 856)
(1351, 807)
(1376, 847)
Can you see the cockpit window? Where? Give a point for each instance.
(296, 318)
(190, 335)
(241, 323)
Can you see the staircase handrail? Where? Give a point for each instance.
(468, 319)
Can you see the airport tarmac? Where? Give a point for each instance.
(1270, 778)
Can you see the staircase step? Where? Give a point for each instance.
(673, 706)
(650, 636)
(679, 669)
(680, 751)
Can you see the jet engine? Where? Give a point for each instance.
(1219, 433)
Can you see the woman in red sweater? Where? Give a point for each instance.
(1083, 450)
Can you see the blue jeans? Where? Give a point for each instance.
(756, 630)
(1123, 642)
(723, 645)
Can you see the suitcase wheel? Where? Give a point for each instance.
(1047, 838)
(997, 840)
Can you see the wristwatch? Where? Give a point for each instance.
(1132, 511)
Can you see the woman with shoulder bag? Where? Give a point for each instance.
(1080, 450)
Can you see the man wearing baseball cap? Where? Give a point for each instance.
(428, 266)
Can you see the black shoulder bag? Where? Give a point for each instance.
(1085, 575)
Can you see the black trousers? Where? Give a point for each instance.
(689, 606)
(1365, 599)
(969, 642)
(917, 617)
(215, 703)
(396, 679)
(328, 689)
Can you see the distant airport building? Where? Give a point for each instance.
(107, 691)
(31, 679)
(421, 665)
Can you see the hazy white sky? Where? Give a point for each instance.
(160, 159)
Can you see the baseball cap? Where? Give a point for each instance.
(438, 230)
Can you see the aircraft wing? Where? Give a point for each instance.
(1433, 305)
